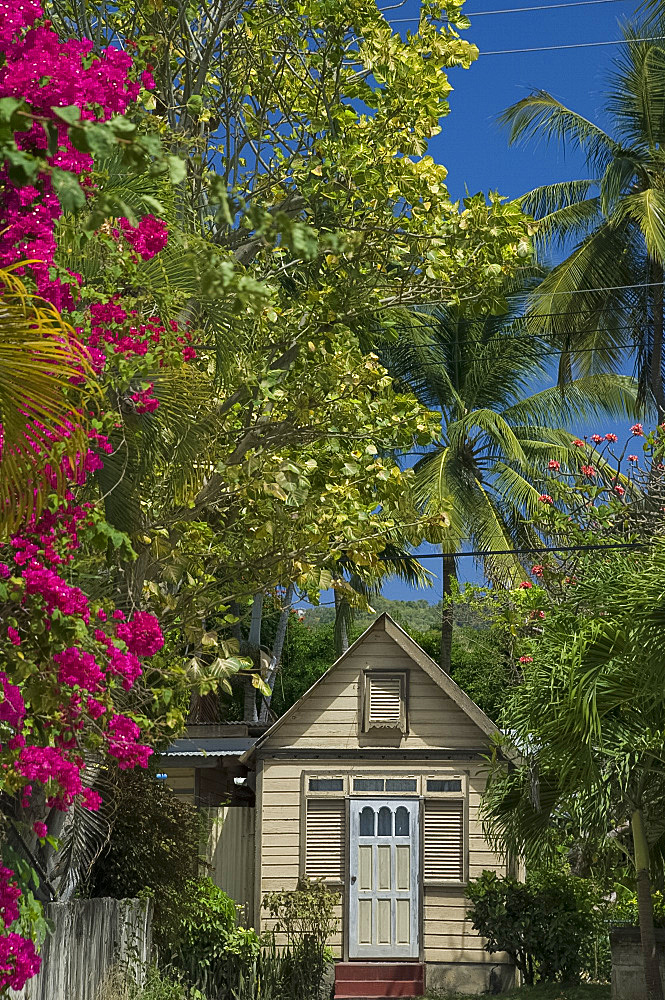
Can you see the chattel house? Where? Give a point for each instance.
(371, 781)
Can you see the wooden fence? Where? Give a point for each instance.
(229, 853)
(90, 938)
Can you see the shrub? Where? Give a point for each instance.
(119, 986)
(624, 910)
(549, 925)
(153, 850)
(306, 918)
(206, 928)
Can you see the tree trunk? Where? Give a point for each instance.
(342, 613)
(645, 908)
(447, 612)
(278, 646)
(250, 712)
(656, 368)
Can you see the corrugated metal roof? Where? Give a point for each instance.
(210, 746)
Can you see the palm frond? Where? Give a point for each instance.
(46, 384)
(542, 116)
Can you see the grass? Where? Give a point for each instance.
(543, 991)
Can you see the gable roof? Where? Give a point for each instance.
(414, 652)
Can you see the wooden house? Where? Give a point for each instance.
(372, 781)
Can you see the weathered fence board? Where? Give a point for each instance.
(229, 852)
(90, 937)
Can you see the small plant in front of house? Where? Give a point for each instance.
(550, 925)
(306, 918)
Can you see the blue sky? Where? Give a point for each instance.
(475, 149)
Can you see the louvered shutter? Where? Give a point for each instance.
(444, 841)
(385, 700)
(324, 839)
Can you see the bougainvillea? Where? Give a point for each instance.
(47, 73)
(69, 659)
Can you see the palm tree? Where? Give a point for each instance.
(496, 439)
(604, 302)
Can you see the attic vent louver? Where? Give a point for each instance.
(443, 854)
(385, 700)
(324, 839)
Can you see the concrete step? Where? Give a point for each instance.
(377, 980)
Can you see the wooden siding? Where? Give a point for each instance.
(182, 781)
(329, 717)
(448, 935)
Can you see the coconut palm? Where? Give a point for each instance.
(497, 436)
(604, 302)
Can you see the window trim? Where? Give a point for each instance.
(367, 676)
(462, 776)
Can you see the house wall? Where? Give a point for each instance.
(181, 780)
(328, 720)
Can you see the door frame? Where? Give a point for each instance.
(414, 803)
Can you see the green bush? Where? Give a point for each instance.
(306, 918)
(153, 850)
(206, 936)
(157, 986)
(551, 926)
(624, 909)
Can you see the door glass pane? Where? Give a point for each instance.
(385, 822)
(401, 822)
(367, 822)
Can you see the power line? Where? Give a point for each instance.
(575, 45)
(513, 10)
(518, 552)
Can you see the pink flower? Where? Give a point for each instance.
(40, 829)
(611, 437)
(13, 636)
(525, 585)
(537, 570)
(142, 634)
(188, 353)
(4, 571)
(546, 498)
(619, 490)
(632, 458)
(526, 659)
(596, 438)
(637, 430)
(9, 894)
(12, 706)
(577, 443)
(588, 470)
(18, 961)
(91, 799)
(554, 465)
(122, 736)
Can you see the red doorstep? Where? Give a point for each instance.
(378, 980)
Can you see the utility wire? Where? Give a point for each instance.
(511, 10)
(575, 45)
(543, 548)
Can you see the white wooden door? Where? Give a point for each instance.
(384, 878)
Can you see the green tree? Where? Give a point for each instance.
(496, 441)
(604, 302)
(587, 736)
